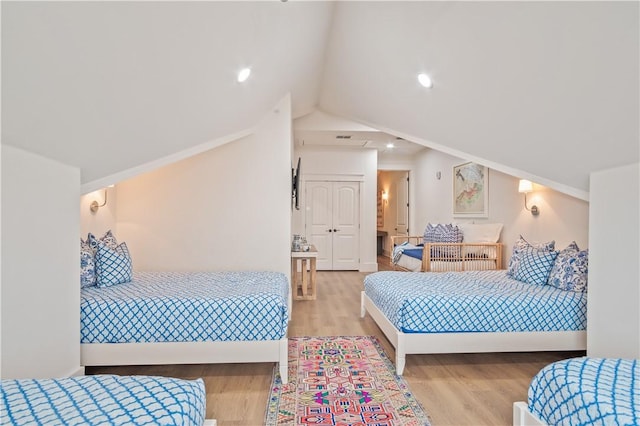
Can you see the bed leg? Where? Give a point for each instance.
(518, 413)
(363, 311)
(400, 355)
(284, 360)
(400, 360)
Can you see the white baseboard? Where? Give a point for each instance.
(77, 372)
(369, 267)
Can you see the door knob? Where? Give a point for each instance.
(329, 230)
(335, 230)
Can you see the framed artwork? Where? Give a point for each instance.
(470, 190)
(380, 210)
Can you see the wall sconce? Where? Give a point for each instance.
(94, 206)
(526, 186)
(385, 197)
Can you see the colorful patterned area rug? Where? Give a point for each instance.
(341, 381)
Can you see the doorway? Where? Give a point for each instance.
(333, 223)
(395, 185)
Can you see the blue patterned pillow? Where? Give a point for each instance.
(443, 233)
(87, 265)
(519, 247)
(570, 269)
(113, 266)
(535, 266)
(108, 238)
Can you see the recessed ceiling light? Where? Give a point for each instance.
(244, 74)
(425, 80)
(390, 145)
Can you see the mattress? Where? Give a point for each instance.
(473, 301)
(103, 399)
(582, 391)
(187, 307)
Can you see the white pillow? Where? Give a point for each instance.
(480, 233)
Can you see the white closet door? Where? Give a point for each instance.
(333, 223)
(319, 221)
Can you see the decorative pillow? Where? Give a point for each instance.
(113, 266)
(87, 265)
(521, 245)
(535, 266)
(570, 269)
(108, 239)
(480, 233)
(443, 233)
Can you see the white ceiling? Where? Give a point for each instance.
(546, 90)
(321, 129)
(358, 139)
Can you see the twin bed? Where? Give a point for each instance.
(488, 311)
(583, 391)
(472, 311)
(186, 318)
(412, 255)
(158, 318)
(103, 399)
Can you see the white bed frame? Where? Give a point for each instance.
(436, 343)
(99, 354)
(523, 417)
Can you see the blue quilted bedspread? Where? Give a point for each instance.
(187, 307)
(103, 400)
(473, 301)
(587, 391)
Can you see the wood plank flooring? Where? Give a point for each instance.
(454, 389)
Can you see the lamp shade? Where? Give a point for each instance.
(525, 186)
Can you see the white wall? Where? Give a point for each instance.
(562, 218)
(225, 209)
(613, 317)
(41, 266)
(322, 163)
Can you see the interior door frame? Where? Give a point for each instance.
(413, 230)
(407, 181)
(335, 178)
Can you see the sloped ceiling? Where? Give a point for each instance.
(107, 86)
(546, 89)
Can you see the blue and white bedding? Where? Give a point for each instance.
(187, 307)
(103, 399)
(473, 301)
(587, 391)
(408, 250)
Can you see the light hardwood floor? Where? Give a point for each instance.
(454, 389)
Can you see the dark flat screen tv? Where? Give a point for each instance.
(295, 186)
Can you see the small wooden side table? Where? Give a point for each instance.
(303, 284)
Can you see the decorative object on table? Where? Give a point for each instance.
(341, 380)
(296, 245)
(470, 190)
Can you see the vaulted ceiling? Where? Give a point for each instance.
(546, 90)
